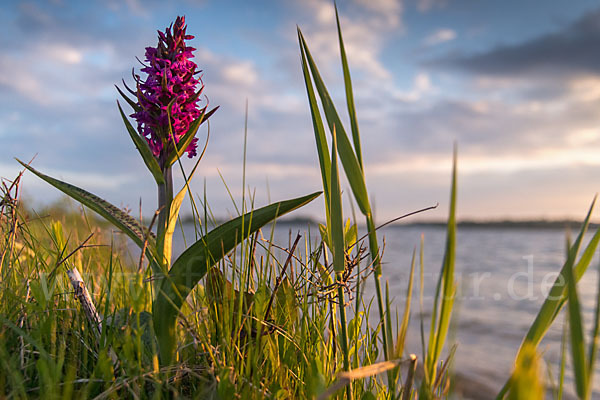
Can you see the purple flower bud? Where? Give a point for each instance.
(172, 78)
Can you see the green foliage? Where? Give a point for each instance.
(126, 223)
(526, 382)
(559, 295)
(225, 322)
(444, 295)
(142, 146)
(193, 263)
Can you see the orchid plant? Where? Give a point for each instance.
(166, 107)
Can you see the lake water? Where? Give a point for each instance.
(503, 276)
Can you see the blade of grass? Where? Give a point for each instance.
(557, 296)
(406, 316)
(563, 359)
(355, 176)
(192, 265)
(351, 166)
(446, 286)
(349, 93)
(319, 130)
(576, 335)
(595, 338)
(336, 231)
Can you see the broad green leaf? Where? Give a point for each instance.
(577, 340)
(349, 94)
(187, 138)
(192, 265)
(112, 214)
(351, 166)
(336, 224)
(144, 150)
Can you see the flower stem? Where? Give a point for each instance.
(165, 198)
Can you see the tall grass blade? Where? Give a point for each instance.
(336, 223)
(349, 93)
(354, 172)
(446, 288)
(525, 382)
(193, 264)
(406, 315)
(563, 359)
(558, 293)
(335, 227)
(320, 138)
(576, 335)
(593, 352)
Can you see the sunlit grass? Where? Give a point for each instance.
(237, 314)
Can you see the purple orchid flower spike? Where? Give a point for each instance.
(172, 86)
(167, 110)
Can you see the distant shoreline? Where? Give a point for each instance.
(493, 224)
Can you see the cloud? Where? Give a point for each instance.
(564, 52)
(428, 5)
(389, 10)
(440, 36)
(241, 73)
(365, 27)
(422, 87)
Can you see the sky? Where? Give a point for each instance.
(515, 84)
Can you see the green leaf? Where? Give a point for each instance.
(192, 265)
(112, 214)
(320, 139)
(526, 382)
(558, 293)
(133, 104)
(577, 340)
(167, 238)
(351, 166)
(593, 352)
(324, 235)
(350, 235)
(406, 316)
(563, 360)
(349, 94)
(144, 149)
(336, 224)
(446, 288)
